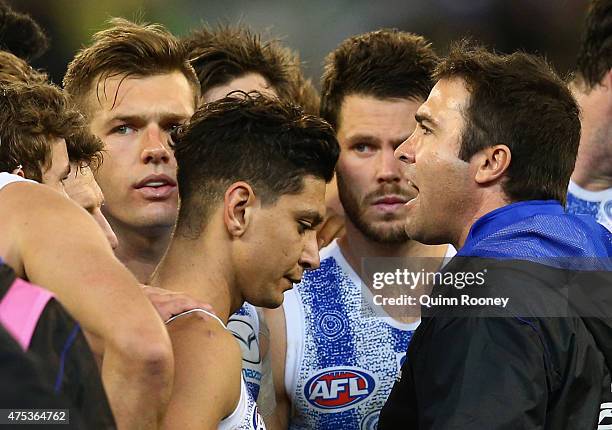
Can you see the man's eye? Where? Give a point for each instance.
(172, 127)
(303, 227)
(362, 147)
(123, 129)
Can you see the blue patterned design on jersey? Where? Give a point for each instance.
(349, 348)
(576, 205)
(332, 325)
(253, 387)
(244, 310)
(600, 208)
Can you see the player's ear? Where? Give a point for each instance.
(492, 163)
(239, 203)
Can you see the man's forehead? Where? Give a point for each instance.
(368, 115)
(248, 82)
(124, 95)
(311, 194)
(447, 97)
(365, 104)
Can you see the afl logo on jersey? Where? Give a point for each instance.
(339, 388)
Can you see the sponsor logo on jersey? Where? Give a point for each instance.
(251, 374)
(243, 331)
(339, 388)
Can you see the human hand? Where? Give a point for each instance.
(170, 303)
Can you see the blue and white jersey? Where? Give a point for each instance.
(244, 325)
(342, 359)
(598, 204)
(246, 415)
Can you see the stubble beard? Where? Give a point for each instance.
(388, 234)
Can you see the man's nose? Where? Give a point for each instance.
(156, 148)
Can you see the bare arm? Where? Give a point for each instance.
(56, 244)
(278, 351)
(208, 372)
(166, 303)
(266, 400)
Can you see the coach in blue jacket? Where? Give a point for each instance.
(491, 157)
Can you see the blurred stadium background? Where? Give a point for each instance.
(548, 27)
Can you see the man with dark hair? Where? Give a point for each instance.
(251, 174)
(135, 85)
(228, 58)
(322, 338)
(489, 162)
(590, 189)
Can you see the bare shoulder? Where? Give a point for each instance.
(208, 372)
(193, 333)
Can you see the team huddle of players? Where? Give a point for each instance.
(241, 306)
